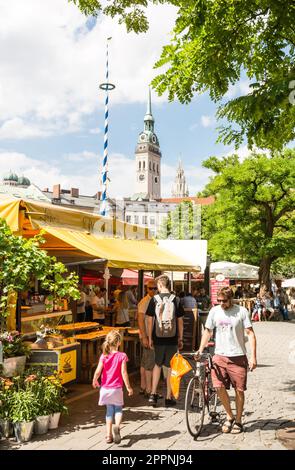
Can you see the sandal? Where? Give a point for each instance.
(237, 428)
(227, 426)
(109, 439)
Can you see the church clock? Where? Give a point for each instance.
(141, 177)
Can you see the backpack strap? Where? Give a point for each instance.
(158, 299)
(171, 298)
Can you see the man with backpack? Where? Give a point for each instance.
(165, 333)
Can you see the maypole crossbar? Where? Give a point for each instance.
(106, 87)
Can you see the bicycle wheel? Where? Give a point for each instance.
(194, 407)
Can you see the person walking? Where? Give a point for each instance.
(165, 334)
(148, 354)
(112, 368)
(230, 360)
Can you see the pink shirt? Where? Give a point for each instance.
(111, 376)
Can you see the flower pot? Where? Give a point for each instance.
(6, 428)
(41, 424)
(13, 366)
(54, 420)
(23, 431)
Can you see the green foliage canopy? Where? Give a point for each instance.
(214, 44)
(253, 217)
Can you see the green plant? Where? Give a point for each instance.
(48, 392)
(13, 345)
(21, 260)
(6, 392)
(23, 406)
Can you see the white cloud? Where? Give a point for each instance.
(240, 88)
(88, 177)
(96, 130)
(51, 64)
(207, 121)
(16, 128)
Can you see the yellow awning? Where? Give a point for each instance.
(135, 254)
(77, 235)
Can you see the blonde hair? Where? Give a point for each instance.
(113, 338)
(123, 300)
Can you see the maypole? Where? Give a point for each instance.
(106, 87)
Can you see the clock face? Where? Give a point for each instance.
(142, 137)
(154, 139)
(141, 177)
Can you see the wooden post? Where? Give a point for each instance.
(140, 292)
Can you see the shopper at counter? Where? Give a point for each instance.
(98, 306)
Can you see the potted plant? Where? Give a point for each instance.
(23, 413)
(6, 390)
(57, 405)
(15, 352)
(39, 385)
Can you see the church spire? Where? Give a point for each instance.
(148, 118)
(180, 188)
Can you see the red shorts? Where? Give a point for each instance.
(230, 370)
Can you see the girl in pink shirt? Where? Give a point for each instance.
(113, 371)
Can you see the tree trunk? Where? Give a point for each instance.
(264, 272)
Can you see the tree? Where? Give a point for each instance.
(21, 260)
(181, 224)
(253, 217)
(215, 43)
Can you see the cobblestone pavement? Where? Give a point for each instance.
(269, 411)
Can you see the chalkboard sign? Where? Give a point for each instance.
(189, 329)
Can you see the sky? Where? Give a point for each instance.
(52, 60)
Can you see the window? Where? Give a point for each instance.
(143, 166)
(150, 166)
(158, 169)
(128, 219)
(152, 220)
(154, 167)
(144, 220)
(139, 167)
(136, 219)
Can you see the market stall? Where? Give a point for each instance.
(75, 237)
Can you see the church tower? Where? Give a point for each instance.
(148, 160)
(180, 188)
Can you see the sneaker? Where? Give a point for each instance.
(116, 433)
(153, 399)
(169, 402)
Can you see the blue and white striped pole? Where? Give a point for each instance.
(106, 87)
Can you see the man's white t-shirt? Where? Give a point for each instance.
(230, 325)
(142, 308)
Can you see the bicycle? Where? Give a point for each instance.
(200, 394)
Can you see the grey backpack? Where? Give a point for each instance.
(165, 320)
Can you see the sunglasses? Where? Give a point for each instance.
(222, 301)
(152, 288)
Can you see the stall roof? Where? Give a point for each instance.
(76, 235)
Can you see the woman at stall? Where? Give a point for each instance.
(121, 309)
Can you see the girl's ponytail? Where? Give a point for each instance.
(112, 340)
